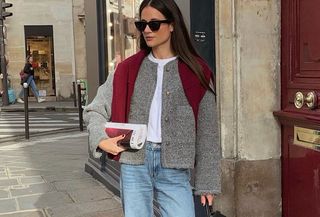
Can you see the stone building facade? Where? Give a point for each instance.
(247, 48)
(54, 33)
(248, 69)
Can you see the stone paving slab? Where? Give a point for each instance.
(109, 213)
(66, 176)
(4, 193)
(51, 199)
(6, 182)
(12, 157)
(84, 209)
(29, 172)
(8, 205)
(76, 184)
(31, 180)
(87, 195)
(25, 214)
(32, 189)
(18, 166)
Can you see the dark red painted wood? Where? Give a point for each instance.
(300, 48)
(300, 71)
(300, 179)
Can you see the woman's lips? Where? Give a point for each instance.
(148, 38)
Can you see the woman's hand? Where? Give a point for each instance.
(111, 145)
(207, 197)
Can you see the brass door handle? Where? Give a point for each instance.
(311, 100)
(298, 100)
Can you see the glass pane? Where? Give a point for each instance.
(41, 48)
(121, 33)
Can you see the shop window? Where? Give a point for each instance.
(39, 43)
(40, 49)
(121, 35)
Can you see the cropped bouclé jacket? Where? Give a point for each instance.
(189, 139)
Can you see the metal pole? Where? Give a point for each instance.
(5, 98)
(80, 107)
(26, 109)
(74, 94)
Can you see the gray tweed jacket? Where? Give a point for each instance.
(182, 145)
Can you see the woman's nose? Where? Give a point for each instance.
(147, 29)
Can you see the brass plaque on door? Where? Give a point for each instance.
(308, 138)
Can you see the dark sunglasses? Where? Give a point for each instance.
(154, 25)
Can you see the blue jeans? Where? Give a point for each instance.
(33, 86)
(140, 184)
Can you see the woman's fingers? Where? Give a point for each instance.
(111, 146)
(118, 138)
(207, 197)
(210, 199)
(203, 200)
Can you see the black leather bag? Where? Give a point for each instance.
(211, 213)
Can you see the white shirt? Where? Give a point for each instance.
(154, 124)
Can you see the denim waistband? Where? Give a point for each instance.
(153, 146)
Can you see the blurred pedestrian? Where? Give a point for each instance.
(29, 79)
(169, 87)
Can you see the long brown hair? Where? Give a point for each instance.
(180, 40)
(28, 58)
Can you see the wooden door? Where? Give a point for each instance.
(300, 110)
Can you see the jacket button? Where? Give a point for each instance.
(168, 93)
(166, 119)
(167, 143)
(167, 69)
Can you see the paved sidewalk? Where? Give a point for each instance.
(45, 177)
(47, 105)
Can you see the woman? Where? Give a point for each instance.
(166, 86)
(28, 69)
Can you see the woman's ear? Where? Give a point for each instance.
(171, 27)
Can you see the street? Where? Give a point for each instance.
(44, 177)
(12, 124)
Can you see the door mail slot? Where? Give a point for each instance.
(308, 138)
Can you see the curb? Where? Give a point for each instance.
(43, 109)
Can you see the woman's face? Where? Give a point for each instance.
(31, 59)
(158, 38)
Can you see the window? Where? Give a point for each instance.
(121, 34)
